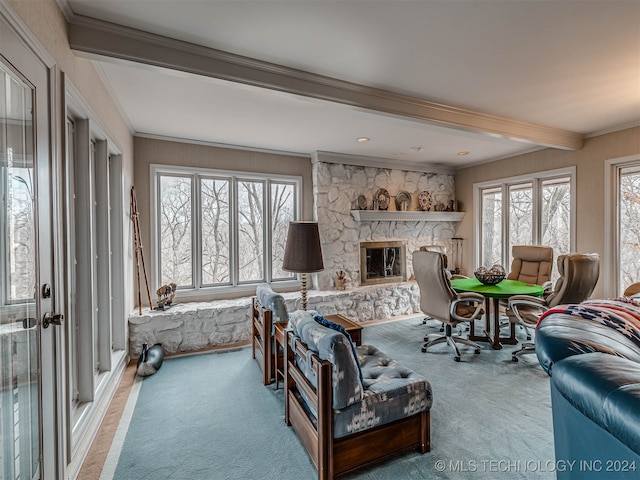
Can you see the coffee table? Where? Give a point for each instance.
(353, 328)
(492, 296)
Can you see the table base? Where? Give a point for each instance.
(492, 335)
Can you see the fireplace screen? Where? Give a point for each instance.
(382, 262)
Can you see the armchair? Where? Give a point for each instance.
(438, 300)
(578, 277)
(267, 308)
(531, 264)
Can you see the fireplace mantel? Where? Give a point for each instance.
(413, 216)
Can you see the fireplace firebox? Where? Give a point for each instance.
(382, 262)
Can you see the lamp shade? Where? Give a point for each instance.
(303, 253)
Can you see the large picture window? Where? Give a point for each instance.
(533, 210)
(628, 226)
(221, 229)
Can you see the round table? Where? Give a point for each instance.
(492, 295)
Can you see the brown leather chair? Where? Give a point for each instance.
(578, 277)
(531, 264)
(632, 290)
(439, 301)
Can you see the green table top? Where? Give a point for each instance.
(504, 289)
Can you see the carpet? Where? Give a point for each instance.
(209, 417)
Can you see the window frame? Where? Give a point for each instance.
(235, 286)
(611, 261)
(503, 184)
(97, 320)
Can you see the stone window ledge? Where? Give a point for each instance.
(188, 327)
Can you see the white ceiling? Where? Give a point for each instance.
(567, 64)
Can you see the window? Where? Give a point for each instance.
(628, 207)
(95, 317)
(220, 229)
(537, 211)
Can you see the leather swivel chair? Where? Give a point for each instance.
(578, 277)
(439, 301)
(531, 264)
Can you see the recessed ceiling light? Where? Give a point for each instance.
(462, 154)
(363, 139)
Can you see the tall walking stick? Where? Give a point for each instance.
(137, 240)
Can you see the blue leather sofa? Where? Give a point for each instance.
(591, 351)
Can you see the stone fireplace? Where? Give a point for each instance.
(336, 189)
(382, 262)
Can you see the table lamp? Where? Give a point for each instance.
(303, 253)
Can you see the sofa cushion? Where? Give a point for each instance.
(604, 388)
(272, 301)
(334, 347)
(339, 328)
(391, 392)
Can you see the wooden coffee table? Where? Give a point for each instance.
(354, 329)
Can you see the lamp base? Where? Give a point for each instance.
(303, 288)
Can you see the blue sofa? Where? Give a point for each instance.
(591, 351)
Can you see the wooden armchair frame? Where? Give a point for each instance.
(262, 340)
(331, 456)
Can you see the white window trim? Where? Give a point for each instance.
(222, 291)
(611, 262)
(81, 418)
(503, 184)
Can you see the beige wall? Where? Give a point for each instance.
(150, 151)
(590, 202)
(47, 23)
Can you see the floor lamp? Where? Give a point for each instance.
(303, 253)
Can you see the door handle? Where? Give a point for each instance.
(52, 319)
(27, 323)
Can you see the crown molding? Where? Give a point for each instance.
(376, 162)
(93, 37)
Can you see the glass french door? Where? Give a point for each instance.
(27, 355)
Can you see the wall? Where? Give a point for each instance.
(150, 151)
(590, 201)
(336, 190)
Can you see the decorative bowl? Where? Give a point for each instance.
(489, 278)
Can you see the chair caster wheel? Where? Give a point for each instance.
(457, 359)
(477, 352)
(424, 350)
(514, 358)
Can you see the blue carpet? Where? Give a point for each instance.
(209, 417)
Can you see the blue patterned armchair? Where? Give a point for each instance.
(267, 308)
(350, 406)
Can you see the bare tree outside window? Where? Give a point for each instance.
(556, 215)
(21, 235)
(250, 231)
(629, 233)
(551, 226)
(491, 227)
(216, 239)
(520, 215)
(175, 230)
(216, 228)
(282, 212)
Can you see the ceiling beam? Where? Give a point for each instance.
(103, 39)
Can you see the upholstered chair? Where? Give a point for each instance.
(578, 277)
(531, 264)
(439, 301)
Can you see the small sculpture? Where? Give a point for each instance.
(341, 280)
(150, 360)
(165, 296)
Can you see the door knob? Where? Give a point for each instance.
(52, 319)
